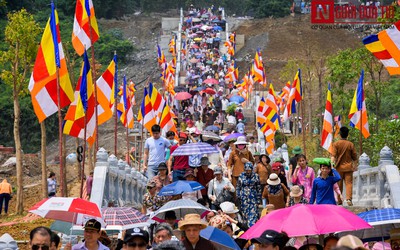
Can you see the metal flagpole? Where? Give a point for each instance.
(60, 136)
(116, 87)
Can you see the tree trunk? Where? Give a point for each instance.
(18, 154)
(43, 159)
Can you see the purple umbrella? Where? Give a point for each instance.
(232, 136)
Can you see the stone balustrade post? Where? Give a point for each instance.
(99, 177)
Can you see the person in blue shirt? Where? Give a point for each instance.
(322, 189)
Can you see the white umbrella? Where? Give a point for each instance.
(181, 207)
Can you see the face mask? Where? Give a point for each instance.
(172, 142)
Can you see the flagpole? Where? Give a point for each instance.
(60, 135)
(302, 128)
(84, 157)
(115, 109)
(95, 87)
(361, 122)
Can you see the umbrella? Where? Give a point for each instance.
(181, 207)
(182, 96)
(217, 27)
(195, 76)
(179, 89)
(69, 229)
(236, 98)
(121, 218)
(210, 81)
(205, 27)
(216, 20)
(217, 39)
(209, 62)
(210, 91)
(212, 128)
(179, 187)
(194, 60)
(207, 135)
(220, 239)
(232, 136)
(199, 88)
(196, 20)
(204, 16)
(199, 32)
(194, 149)
(301, 220)
(65, 208)
(194, 46)
(383, 220)
(197, 39)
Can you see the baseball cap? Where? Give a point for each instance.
(270, 237)
(93, 224)
(136, 232)
(276, 165)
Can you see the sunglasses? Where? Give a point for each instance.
(135, 244)
(42, 247)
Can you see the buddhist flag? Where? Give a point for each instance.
(43, 82)
(385, 46)
(358, 111)
(160, 57)
(106, 85)
(258, 69)
(260, 116)
(83, 105)
(327, 128)
(157, 101)
(295, 96)
(124, 108)
(85, 31)
(146, 113)
(167, 121)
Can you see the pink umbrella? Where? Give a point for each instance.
(211, 81)
(182, 96)
(302, 220)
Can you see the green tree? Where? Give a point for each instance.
(267, 8)
(21, 36)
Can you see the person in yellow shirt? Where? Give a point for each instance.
(5, 195)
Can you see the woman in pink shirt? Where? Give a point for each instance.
(303, 175)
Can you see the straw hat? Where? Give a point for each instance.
(351, 241)
(241, 140)
(228, 207)
(191, 219)
(296, 191)
(273, 179)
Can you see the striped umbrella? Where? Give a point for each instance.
(121, 218)
(195, 149)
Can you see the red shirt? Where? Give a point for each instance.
(204, 178)
(181, 162)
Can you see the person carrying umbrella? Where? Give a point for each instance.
(191, 226)
(204, 176)
(237, 158)
(194, 195)
(322, 189)
(152, 201)
(162, 178)
(179, 163)
(271, 240)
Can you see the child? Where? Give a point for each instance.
(322, 190)
(303, 176)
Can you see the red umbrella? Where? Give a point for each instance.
(194, 46)
(182, 96)
(211, 81)
(65, 208)
(209, 91)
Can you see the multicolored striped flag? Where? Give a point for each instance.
(295, 96)
(106, 87)
(272, 122)
(83, 107)
(157, 101)
(167, 122)
(259, 71)
(85, 31)
(146, 114)
(172, 46)
(124, 107)
(358, 111)
(327, 128)
(160, 57)
(385, 46)
(260, 115)
(43, 82)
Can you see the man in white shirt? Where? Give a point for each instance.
(154, 151)
(216, 186)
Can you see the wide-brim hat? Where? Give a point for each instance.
(191, 219)
(297, 150)
(322, 161)
(350, 241)
(241, 140)
(228, 207)
(296, 191)
(273, 179)
(204, 161)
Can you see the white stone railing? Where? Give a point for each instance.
(115, 183)
(377, 186)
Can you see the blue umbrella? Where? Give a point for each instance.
(195, 149)
(179, 187)
(231, 103)
(236, 98)
(217, 39)
(219, 238)
(212, 128)
(232, 136)
(199, 88)
(217, 28)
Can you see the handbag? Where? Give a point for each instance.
(225, 195)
